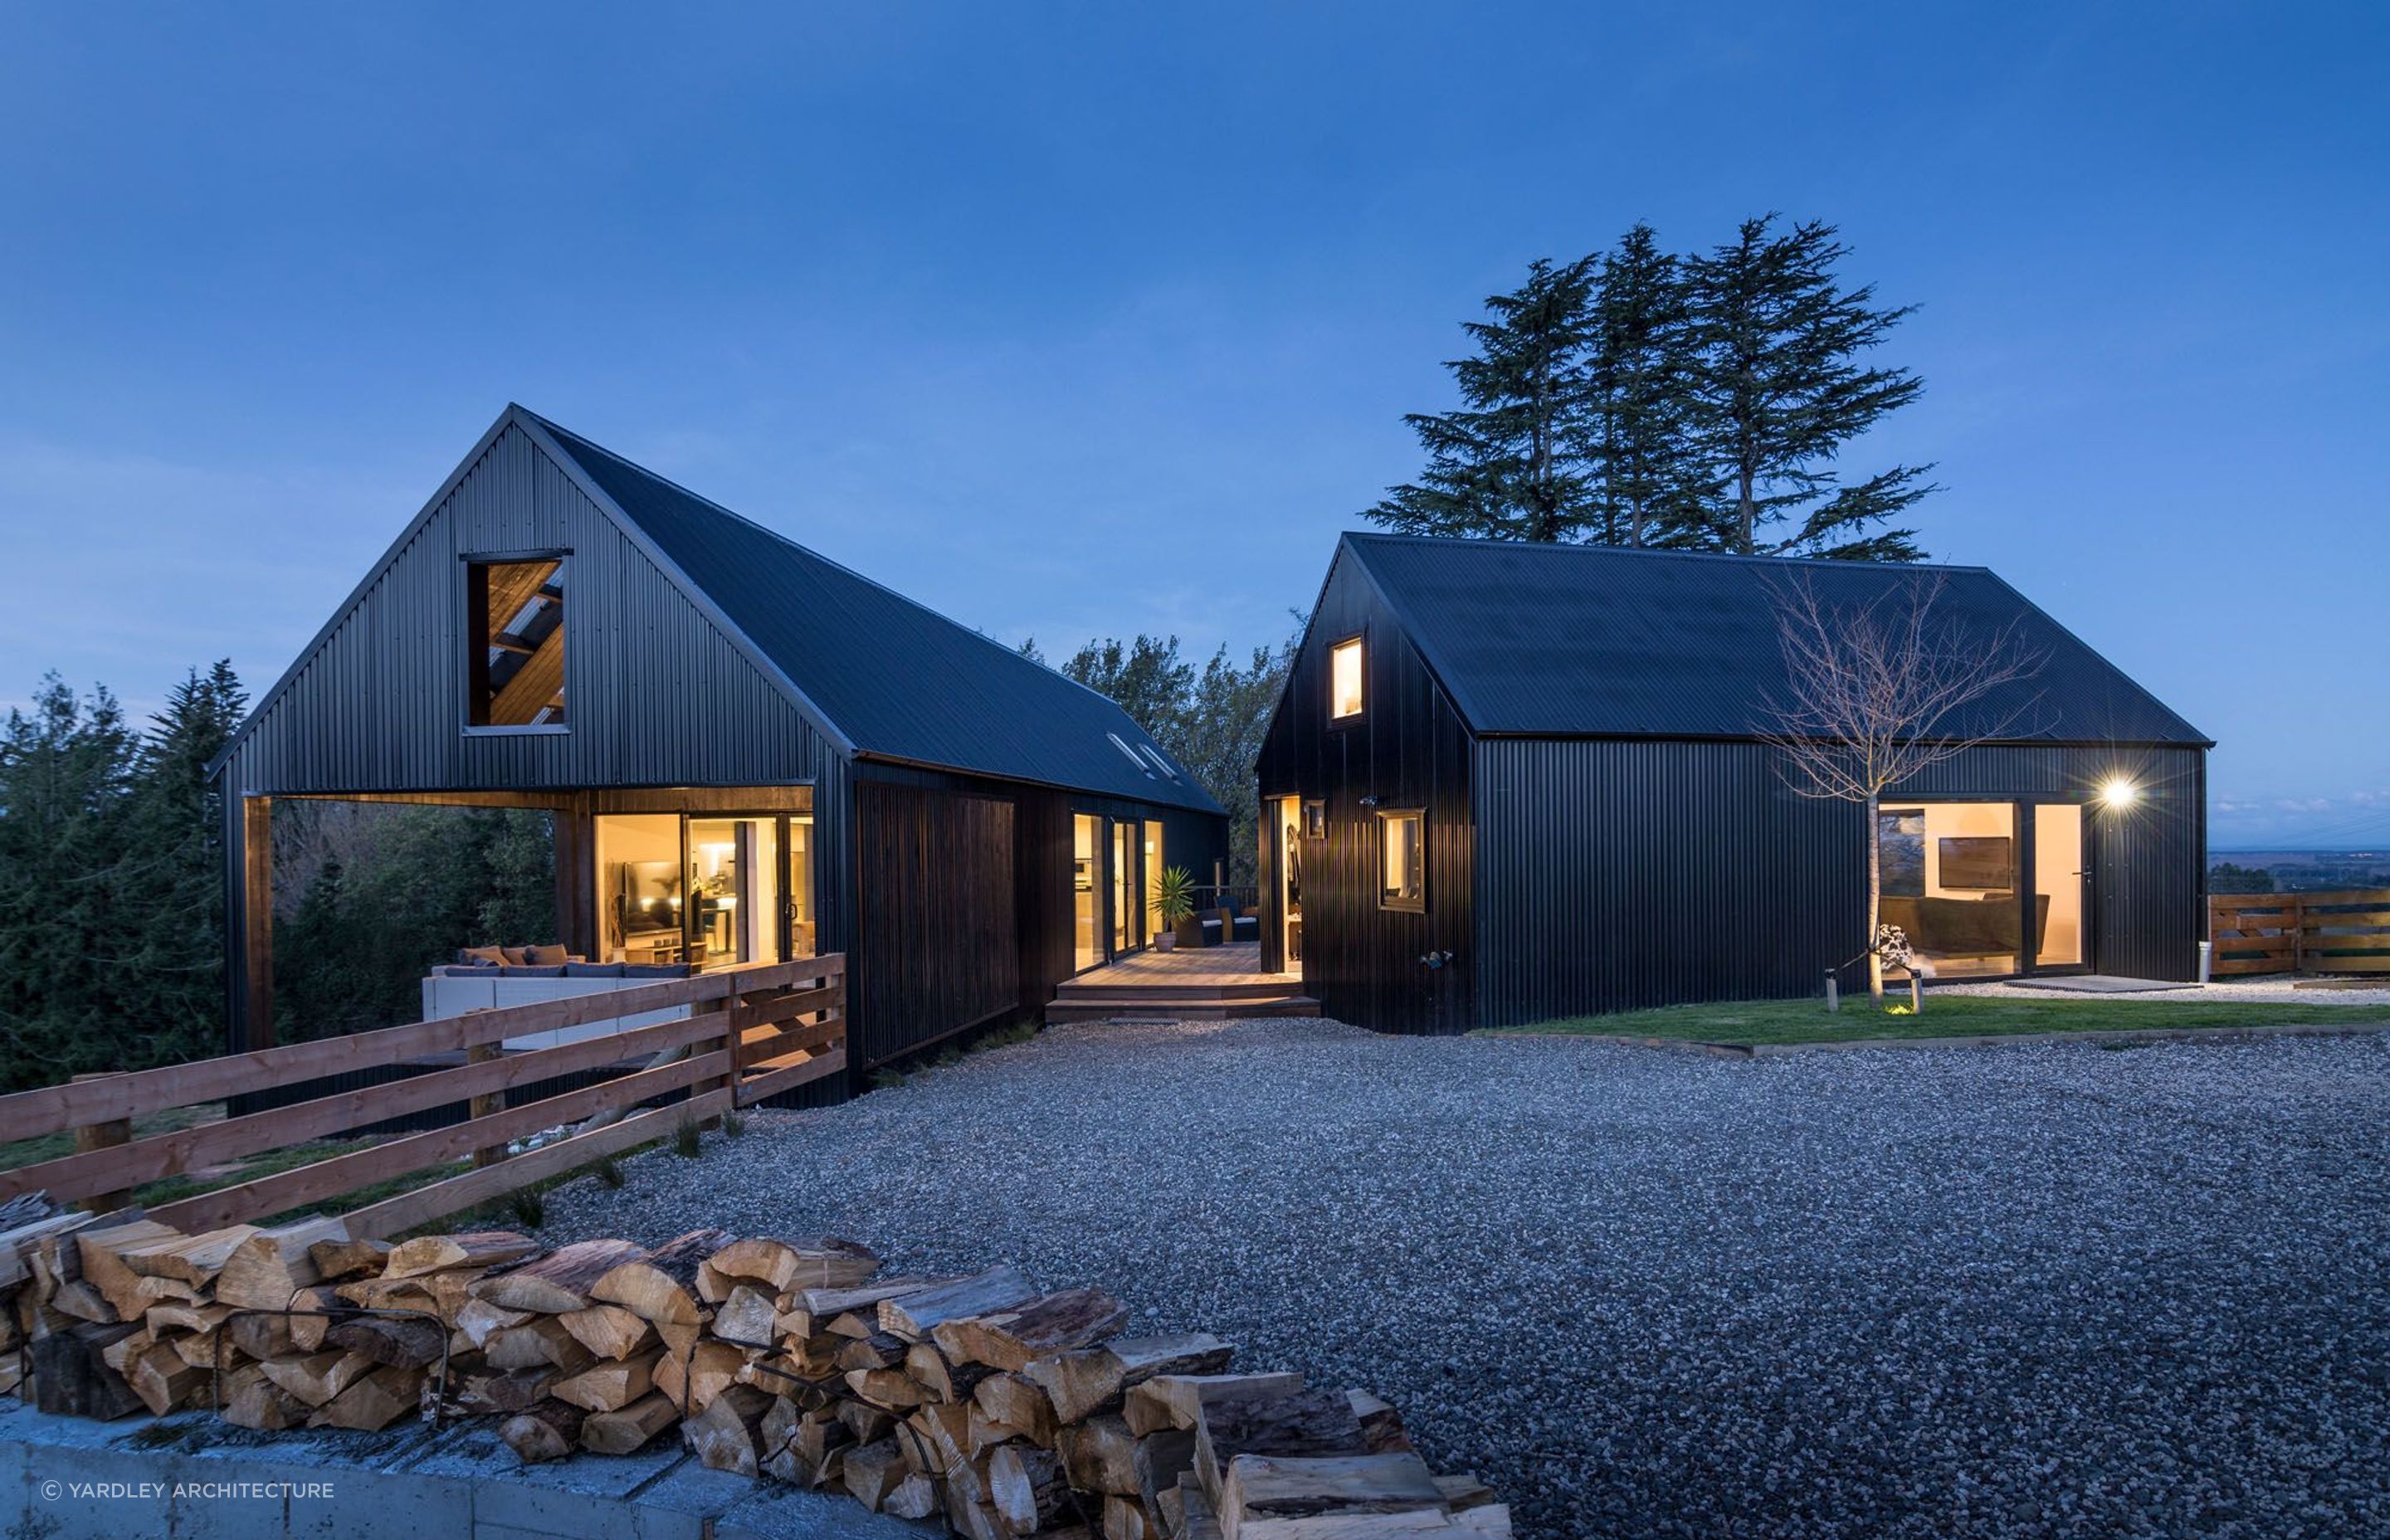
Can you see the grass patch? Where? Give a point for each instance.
(1762, 1022)
(55, 1146)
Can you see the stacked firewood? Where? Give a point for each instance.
(1005, 1410)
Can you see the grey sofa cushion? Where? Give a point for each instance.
(513, 972)
(593, 970)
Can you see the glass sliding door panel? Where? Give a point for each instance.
(1153, 865)
(639, 888)
(1950, 876)
(801, 942)
(1086, 892)
(2058, 884)
(1287, 822)
(1124, 911)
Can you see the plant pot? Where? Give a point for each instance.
(1167, 941)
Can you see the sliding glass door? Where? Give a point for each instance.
(1987, 888)
(708, 891)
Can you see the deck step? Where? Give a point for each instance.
(1173, 992)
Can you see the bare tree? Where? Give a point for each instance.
(1882, 691)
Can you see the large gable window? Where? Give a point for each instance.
(1344, 679)
(515, 617)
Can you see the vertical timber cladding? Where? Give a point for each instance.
(1408, 750)
(937, 945)
(1617, 873)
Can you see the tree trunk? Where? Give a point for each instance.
(1875, 901)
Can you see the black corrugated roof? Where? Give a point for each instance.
(897, 679)
(1596, 640)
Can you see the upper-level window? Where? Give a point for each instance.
(515, 614)
(1345, 679)
(1403, 885)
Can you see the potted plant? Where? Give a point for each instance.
(1174, 899)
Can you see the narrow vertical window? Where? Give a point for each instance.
(514, 611)
(1404, 882)
(1344, 679)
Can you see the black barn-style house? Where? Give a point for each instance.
(750, 754)
(1511, 783)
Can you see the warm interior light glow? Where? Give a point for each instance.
(2119, 792)
(1344, 679)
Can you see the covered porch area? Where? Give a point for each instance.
(1206, 984)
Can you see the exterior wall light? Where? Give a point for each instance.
(2118, 791)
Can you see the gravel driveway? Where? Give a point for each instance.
(2013, 1291)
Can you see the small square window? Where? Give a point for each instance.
(1344, 679)
(1403, 884)
(515, 611)
(1314, 820)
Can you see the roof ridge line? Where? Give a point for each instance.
(1590, 546)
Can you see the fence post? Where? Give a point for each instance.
(103, 1135)
(2297, 916)
(487, 1104)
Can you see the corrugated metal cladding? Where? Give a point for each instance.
(898, 679)
(1599, 641)
(1615, 875)
(1363, 963)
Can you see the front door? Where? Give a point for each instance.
(2060, 914)
(1286, 828)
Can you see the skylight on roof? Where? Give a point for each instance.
(1130, 754)
(1159, 763)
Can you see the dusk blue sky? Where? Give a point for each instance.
(1099, 319)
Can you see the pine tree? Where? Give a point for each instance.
(1647, 473)
(1780, 393)
(176, 859)
(1508, 466)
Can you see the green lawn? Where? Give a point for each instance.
(1751, 1021)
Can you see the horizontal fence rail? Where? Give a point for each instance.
(2342, 932)
(749, 1033)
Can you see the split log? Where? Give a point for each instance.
(914, 1498)
(891, 1388)
(340, 1258)
(164, 1381)
(485, 1391)
(271, 1267)
(1273, 1497)
(1198, 1519)
(260, 1335)
(1177, 1400)
(912, 1316)
(607, 1387)
(265, 1406)
(878, 1350)
(181, 1316)
(628, 1429)
(1159, 1460)
(547, 1432)
(1487, 1522)
(1025, 1486)
(1462, 1490)
(1100, 1454)
(559, 1281)
(608, 1331)
(442, 1294)
(873, 1471)
(1311, 1423)
(478, 1319)
(98, 1251)
(1012, 1339)
(1381, 1426)
(782, 1265)
(374, 1402)
(747, 1315)
(659, 1286)
(944, 1381)
(195, 1260)
(20, 1242)
(724, 1435)
(811, 1434)
(869, 1424)
(1012, 1401)
(319, 1377)
(808, 1312)
(694, 1381)
(310, 1318)
(1085, 1381)
(943, 1435)
(439, 1254)
(1127, 1519)
(540, 1339)
(406, 1343)
(72, 1375)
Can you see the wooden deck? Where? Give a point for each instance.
(1187, 984)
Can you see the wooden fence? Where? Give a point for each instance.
(2347, 932)
(750, 1033)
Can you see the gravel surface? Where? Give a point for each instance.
(2023, 1291)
